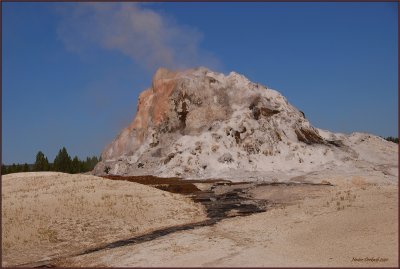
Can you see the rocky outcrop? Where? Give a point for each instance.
(199, 123)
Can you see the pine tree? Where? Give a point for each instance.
(20, 168)
(75, 165)
(46, 166)
(4, 169)
(392, 139)
(41, 163)
(89, 163)
(62, 162)
(95, 160)
(82, 166)
(25, 168)
(13, 168)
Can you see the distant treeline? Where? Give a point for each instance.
(61, 163)
(393, 139)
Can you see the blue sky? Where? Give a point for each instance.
(72, 72)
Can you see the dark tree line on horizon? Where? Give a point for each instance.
(393, 139)
(62, 163)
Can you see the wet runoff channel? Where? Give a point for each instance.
(221, 199)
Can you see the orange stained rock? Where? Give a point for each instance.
(162, 93)
(142, 115)
(154, 102)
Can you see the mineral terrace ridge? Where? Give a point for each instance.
(201, 124)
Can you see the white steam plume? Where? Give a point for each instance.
(150, 39)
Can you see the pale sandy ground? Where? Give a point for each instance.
(45, 215)
(346, 225)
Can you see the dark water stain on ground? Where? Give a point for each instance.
(230, 204)
(172, 184)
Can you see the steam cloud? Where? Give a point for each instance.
(150, 39)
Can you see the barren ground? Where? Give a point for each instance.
(47, 215)
(353, 223)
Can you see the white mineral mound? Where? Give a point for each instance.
(202, 124)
